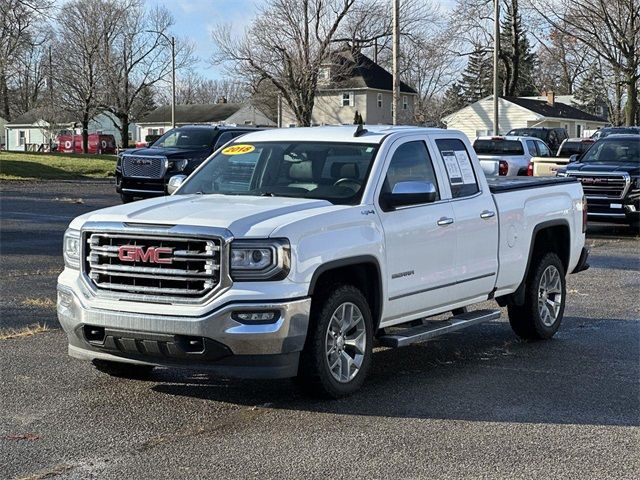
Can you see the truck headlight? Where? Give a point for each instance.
(260, 259)
(71, 249)
(180, 165)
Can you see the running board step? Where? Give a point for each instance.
(434, 329)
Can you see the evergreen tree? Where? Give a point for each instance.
(453, 100)
(477, 78)
(588, 93)
(517, 59)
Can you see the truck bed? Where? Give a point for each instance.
(509, 184)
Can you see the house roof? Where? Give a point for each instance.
(36, 114)
(206, 113)
(557, 110)
(362, 72)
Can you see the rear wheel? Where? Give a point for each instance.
(338, 350)
(545, 292)
(123, 370)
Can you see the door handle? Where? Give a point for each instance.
(444, 221)
(487, 214)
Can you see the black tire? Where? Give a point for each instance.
(126, 198)
(527, 320)
(314, 374)
(123, 370)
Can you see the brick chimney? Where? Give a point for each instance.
(222, 100)
(551, 98)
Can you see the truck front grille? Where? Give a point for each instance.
(143, 167)
(595, 185)
(176, 267)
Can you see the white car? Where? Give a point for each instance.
(289, 251)
(509, 156)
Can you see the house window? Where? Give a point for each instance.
(578, 130)
(405, 102)
(347, 99)
(22, 137)
(379, 100)
(324, 75)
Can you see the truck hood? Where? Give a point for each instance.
(632, 168)
(243, 216)
(168, 152)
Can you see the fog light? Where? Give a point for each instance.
(255, 317)
(65, 299)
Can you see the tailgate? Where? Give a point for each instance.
(547, 166)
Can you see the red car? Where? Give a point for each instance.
(98, 143)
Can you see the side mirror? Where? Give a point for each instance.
(174, 183)
(574, 158)
(410, 193)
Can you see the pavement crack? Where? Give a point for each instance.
(49, 472)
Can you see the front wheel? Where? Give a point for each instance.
(545, 292)
(338, 350)
(126, 198)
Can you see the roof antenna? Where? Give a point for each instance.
(360, 130)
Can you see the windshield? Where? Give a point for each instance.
(186, 138)
(528, 132)
(605, 132)
(572, 148)
(336, 172)
(614, 151)
(498, 147)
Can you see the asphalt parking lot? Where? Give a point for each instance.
(476, 404)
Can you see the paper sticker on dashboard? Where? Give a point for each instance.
(238, 149)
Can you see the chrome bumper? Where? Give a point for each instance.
(149, 339)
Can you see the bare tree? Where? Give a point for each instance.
(286, 44)
(86, 28)
(611, 29)
(21, 27)
(193, 88)
(138, 58)
(562, 59)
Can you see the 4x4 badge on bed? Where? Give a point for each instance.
(134, 253)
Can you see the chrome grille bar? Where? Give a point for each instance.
(599, 185)
(189, 268)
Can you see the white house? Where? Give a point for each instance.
(518, 112)
(158, 121)
(31, 132)
(350, 83)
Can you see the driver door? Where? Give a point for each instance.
(420, 240)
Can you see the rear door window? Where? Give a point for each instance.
(498, 146)
(457, 161)
(531, 146)
(543, 150)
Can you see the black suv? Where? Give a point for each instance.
(610, 176)
(144, 172)
(553, 137)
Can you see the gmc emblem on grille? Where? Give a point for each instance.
(134, 253)
(141, 162)
(594, 181)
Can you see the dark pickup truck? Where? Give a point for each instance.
(610, 175)
(145, 172)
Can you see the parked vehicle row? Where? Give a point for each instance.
(287, 252)
(145, 172)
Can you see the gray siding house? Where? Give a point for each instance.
(352, 83)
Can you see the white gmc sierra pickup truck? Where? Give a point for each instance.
(289, 251)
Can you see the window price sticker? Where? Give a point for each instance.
(459, 167)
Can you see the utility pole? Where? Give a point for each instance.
(496, 54)
(396, 54)
(173, 82)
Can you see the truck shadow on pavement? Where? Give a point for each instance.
(586, 375)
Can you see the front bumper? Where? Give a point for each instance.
(215, 342)
(141, 187)
(624, 211)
